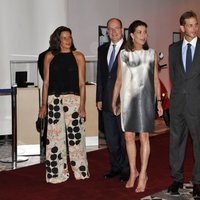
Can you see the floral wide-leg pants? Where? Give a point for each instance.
(65, 127)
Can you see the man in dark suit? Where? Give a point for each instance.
(184, 65)
(106, 77)
(40, 64)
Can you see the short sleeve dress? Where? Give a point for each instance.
(137, 94)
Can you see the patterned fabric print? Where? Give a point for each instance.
(76, 136)
(56, 156)
(63, 116)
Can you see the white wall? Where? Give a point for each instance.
(25, 29)
(161, 16)
(27, 24)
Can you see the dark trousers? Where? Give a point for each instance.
(116, 143)
(181, 124)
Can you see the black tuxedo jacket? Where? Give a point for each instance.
(40, 63)
(185, 86)
(105, 79)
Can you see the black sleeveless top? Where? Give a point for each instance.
(63, 75)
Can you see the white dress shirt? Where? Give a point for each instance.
(184, 49)
(117, 47)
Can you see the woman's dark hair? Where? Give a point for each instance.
(55, 40)
(186, 15)
(129, 46)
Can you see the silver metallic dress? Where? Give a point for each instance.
(137, 91)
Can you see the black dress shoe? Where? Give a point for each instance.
(111, 174)
(196, 190)
(174, 187)
(124, 177)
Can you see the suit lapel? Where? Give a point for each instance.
(196, 58)
(105, 54)
(180, 58)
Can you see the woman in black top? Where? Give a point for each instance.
(64, 95)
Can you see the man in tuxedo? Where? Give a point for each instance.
(184, 66)
(106, 77)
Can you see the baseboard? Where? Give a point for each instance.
(92, 141)
(28, 150)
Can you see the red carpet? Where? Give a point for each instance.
(29, 183)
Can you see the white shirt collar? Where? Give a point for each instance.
(118, 44)
(192, 42)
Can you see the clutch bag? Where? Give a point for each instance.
(40, 124)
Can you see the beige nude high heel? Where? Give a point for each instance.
(141, 187)
(130, 183)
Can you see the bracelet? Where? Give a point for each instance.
(159, 100)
